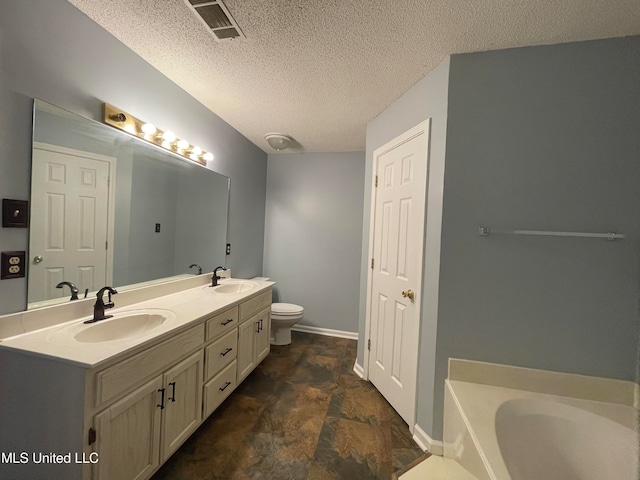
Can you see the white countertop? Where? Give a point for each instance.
(188, 306)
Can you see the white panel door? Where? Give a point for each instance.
(69, 222)
(396, 280)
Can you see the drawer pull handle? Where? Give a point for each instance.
(226, 351)
(173, 393)
(161, 405)
(222, 389)
(227, 322)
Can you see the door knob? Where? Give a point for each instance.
(38, 259)
(408, 294)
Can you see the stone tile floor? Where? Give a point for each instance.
(302, 414)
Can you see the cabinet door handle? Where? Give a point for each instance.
(222, 389)
(258, 326)
(226, 351)
(161, 405)
(173, 392)
(261, 325)
(227, 322)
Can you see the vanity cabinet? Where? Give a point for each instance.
(123, 428)
(133, 410)
(253, 342)
(182, 413)
(220, 361)
(138, 433)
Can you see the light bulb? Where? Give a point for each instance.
(182, 144)
(196, 150)
(169, 136)
(208, 156)
(149, 128)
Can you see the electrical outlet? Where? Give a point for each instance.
(157, 228)
(228, 249)
(12, 265)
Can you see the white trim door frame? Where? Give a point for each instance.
(392, 320)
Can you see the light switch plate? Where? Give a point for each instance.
(15, 213)
(12, 265)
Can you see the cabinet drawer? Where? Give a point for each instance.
(219, 388)
(253, 306)
(221, 353)
(121, 376)
(222, 322)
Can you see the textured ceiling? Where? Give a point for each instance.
(320, 70)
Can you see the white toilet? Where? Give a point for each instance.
(283, 317)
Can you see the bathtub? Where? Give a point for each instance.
(499, 433)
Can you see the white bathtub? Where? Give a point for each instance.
(499, 433)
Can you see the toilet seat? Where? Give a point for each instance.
(286, 309)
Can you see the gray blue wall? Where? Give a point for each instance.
(312, 243)
(50, 50)
(542, 138)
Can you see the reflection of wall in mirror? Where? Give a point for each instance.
(201, 228)
(153, 200)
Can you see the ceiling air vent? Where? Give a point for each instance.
(215, 15)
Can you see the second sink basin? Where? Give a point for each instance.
(235, 287)
(232, 286)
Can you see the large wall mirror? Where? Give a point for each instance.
(111, 209)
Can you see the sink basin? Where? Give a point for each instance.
(120, 327)
(124, 325)
(235, 287)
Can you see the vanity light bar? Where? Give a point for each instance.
(166, 139)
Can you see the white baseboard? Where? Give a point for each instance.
(425, 442)
(325, 331)
(358, 370)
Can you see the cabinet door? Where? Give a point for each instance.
(246, 347)
(183, 402)
(128, 435)
(263, 335)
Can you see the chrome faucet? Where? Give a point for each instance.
(215, 277)
(198, 267)
(74, 289)
(99, 307)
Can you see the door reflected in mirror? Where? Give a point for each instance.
(111, 209)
